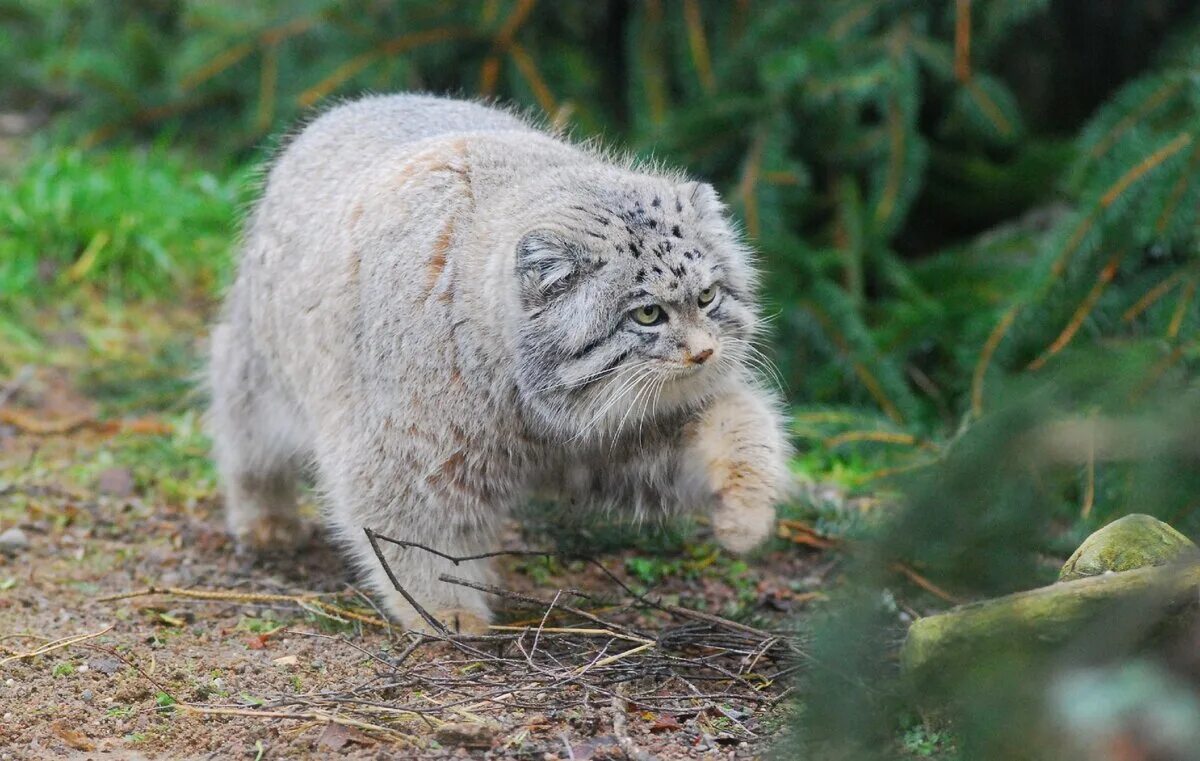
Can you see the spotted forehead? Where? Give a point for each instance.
(650, 235)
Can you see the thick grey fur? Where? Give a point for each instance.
(432, 311)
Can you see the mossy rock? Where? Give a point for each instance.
(1135, 541)
(1027, 626)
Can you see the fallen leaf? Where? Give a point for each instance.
(258, 642)
(465, 735)
(666, 723)
(338, 736)
(74, 738)
(287, 660)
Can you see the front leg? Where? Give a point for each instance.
(417, 495)
(739, 445)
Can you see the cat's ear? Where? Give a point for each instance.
(703, 198)
(548, 265)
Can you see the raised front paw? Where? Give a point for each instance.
(740, 527)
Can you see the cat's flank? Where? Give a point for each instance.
(441, 309)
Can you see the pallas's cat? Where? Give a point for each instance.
(440, 309)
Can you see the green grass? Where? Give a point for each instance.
(133, 222)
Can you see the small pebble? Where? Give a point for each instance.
(13, 540)
(9, 682)
(317, 663)
(87, 696)
(105, 665)
(83, 669)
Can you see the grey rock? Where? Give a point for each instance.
(13, 540)
(106, 665)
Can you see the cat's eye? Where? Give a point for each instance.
(650, 314)
(707, 296)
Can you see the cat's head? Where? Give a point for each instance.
(636, 300)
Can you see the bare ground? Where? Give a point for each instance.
(103, 470)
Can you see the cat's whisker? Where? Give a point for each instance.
(656, 393)
(633, 387)
(622, 386)
(632, 406)
(586, 379)
(756, 358)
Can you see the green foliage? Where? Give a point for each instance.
(846, 134)
(959, 259)
(135, 222)
(1064, 445)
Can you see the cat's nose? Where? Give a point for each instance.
(701, 357)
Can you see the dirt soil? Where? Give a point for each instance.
(104, 476)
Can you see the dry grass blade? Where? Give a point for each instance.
(56, 645)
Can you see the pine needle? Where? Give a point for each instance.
(1148, 164)
(962, 40)
(1152, 296)
(985, 358)
(698, 45)
(1081, 313)
(529, 70)
(1185, 299)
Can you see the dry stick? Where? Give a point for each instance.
(130, 664)
(309, 715)
(628, 746)
(581, 632)
(343, 640)
(55, 645)
(221, 595)
(531, 600)
(433, 622)
(666, 608)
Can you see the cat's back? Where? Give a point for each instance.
(339, 146)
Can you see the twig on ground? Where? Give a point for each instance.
(55, 645)
(628, 746)
(435, 624)
(309, 602)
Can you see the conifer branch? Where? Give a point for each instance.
(1152, 296)
(699, 45)
(268, 78)
(749, 182)
(962, 40)
(529, 70)
(653, 78)
(489, 72)
(1185, 300)
(1181, 185)
(1146, 165)
(895, 167)
(391, 47)
(990, 109)
(231, 56)
(1155, 99)
(985, 358)
(1089, 303)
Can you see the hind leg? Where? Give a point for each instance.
(256, 447)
